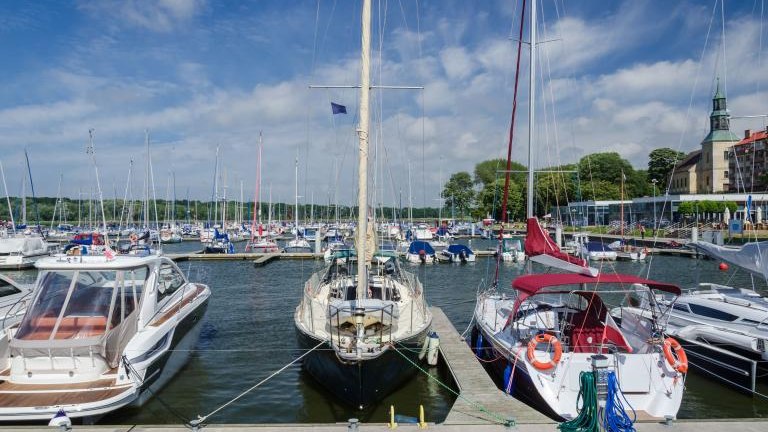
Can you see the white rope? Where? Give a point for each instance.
(201, 419)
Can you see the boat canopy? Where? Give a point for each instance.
(418, 246)
(459, 248)
(529, 285)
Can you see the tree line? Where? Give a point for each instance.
(598, 176)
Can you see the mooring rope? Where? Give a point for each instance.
(201, 419)
(498, 417)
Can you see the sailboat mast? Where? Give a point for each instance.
(362, 131)
(296, 194)
(531, 112)
(7, 197)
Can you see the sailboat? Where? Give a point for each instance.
(560, 334)
(20, 248)
(260, 241)
(298, 244)
(372, 315)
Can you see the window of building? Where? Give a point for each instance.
(726, 154)
(725, 174)
(707, 180)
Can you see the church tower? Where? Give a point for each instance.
(712, 170)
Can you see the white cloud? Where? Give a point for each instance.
(153, 15)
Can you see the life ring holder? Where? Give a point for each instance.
(675, 355)
(544, 338)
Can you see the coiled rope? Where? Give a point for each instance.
(587, 420)
(615, 418)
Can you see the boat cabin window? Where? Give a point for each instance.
(681, 307)
(169, 281)
(76, 304)
(712, 313)
(6, 289)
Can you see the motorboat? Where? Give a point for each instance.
(14, 298)
(420, 252)
(512, 249)
(596, 251)
(557, 326)
(456, 253)
(99, 334)
(20, 250)
(628, 252)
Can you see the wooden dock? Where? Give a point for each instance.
(265, 259)
(480, 401)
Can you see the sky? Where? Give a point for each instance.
(622, 76)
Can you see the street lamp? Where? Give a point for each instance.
(654, 181)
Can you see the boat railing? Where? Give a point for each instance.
(349, 343)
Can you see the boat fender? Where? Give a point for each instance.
(479, 346)
(675, 355)
(549, 339)
(508, 379)
(424, 347)
(434, 349)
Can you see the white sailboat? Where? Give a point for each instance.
(373, 316)
(562, 333)
(298, 244)
(260, 241)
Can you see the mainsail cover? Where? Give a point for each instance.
(538, 242)
(541, 248)
(752, 256)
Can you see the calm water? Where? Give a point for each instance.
(249, 333)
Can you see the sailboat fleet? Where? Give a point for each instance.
(106, 327)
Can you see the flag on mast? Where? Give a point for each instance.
(338, 108)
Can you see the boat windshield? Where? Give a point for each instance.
(77, 304)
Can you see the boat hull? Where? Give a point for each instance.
(364, 383)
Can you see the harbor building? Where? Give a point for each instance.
(747, 163)
(706, 170)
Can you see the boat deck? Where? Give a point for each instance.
(28, 395)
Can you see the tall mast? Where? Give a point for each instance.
(531, 100)
(296, 194)
(362, 131)
(146, 183)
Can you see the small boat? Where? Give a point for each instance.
(512, 249)
(20, 251)
(170, 235)
(628, 252)
(220, 244)
(456, 253)
(420, 252)
(298, 245)
(14, 298)
(99, 334)
(597, 251)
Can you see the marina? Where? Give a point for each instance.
(559, 270)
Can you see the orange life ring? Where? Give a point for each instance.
(544, 338)
(677, 359)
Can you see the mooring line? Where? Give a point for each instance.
(201, 419)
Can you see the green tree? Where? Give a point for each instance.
(661, 161)
(607, 167)
(487, 172)
(490, 198)
(458, 192)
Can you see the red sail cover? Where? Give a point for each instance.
(538, 242)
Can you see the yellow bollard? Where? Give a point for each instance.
(422, 423)
(392, 424)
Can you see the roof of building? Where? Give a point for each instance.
(754, 136)
(721, 135)
(690, 159)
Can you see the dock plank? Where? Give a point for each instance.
(480, 401)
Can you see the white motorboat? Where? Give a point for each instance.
(14, 298)
(99, 334)
(420, 252)
(456, 253)
(19, 251)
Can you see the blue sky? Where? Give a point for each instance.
(620, 76)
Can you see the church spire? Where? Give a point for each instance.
(719, 119)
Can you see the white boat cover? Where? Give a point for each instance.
(749, 256)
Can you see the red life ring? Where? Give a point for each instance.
(544, 338)
(675, 355)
